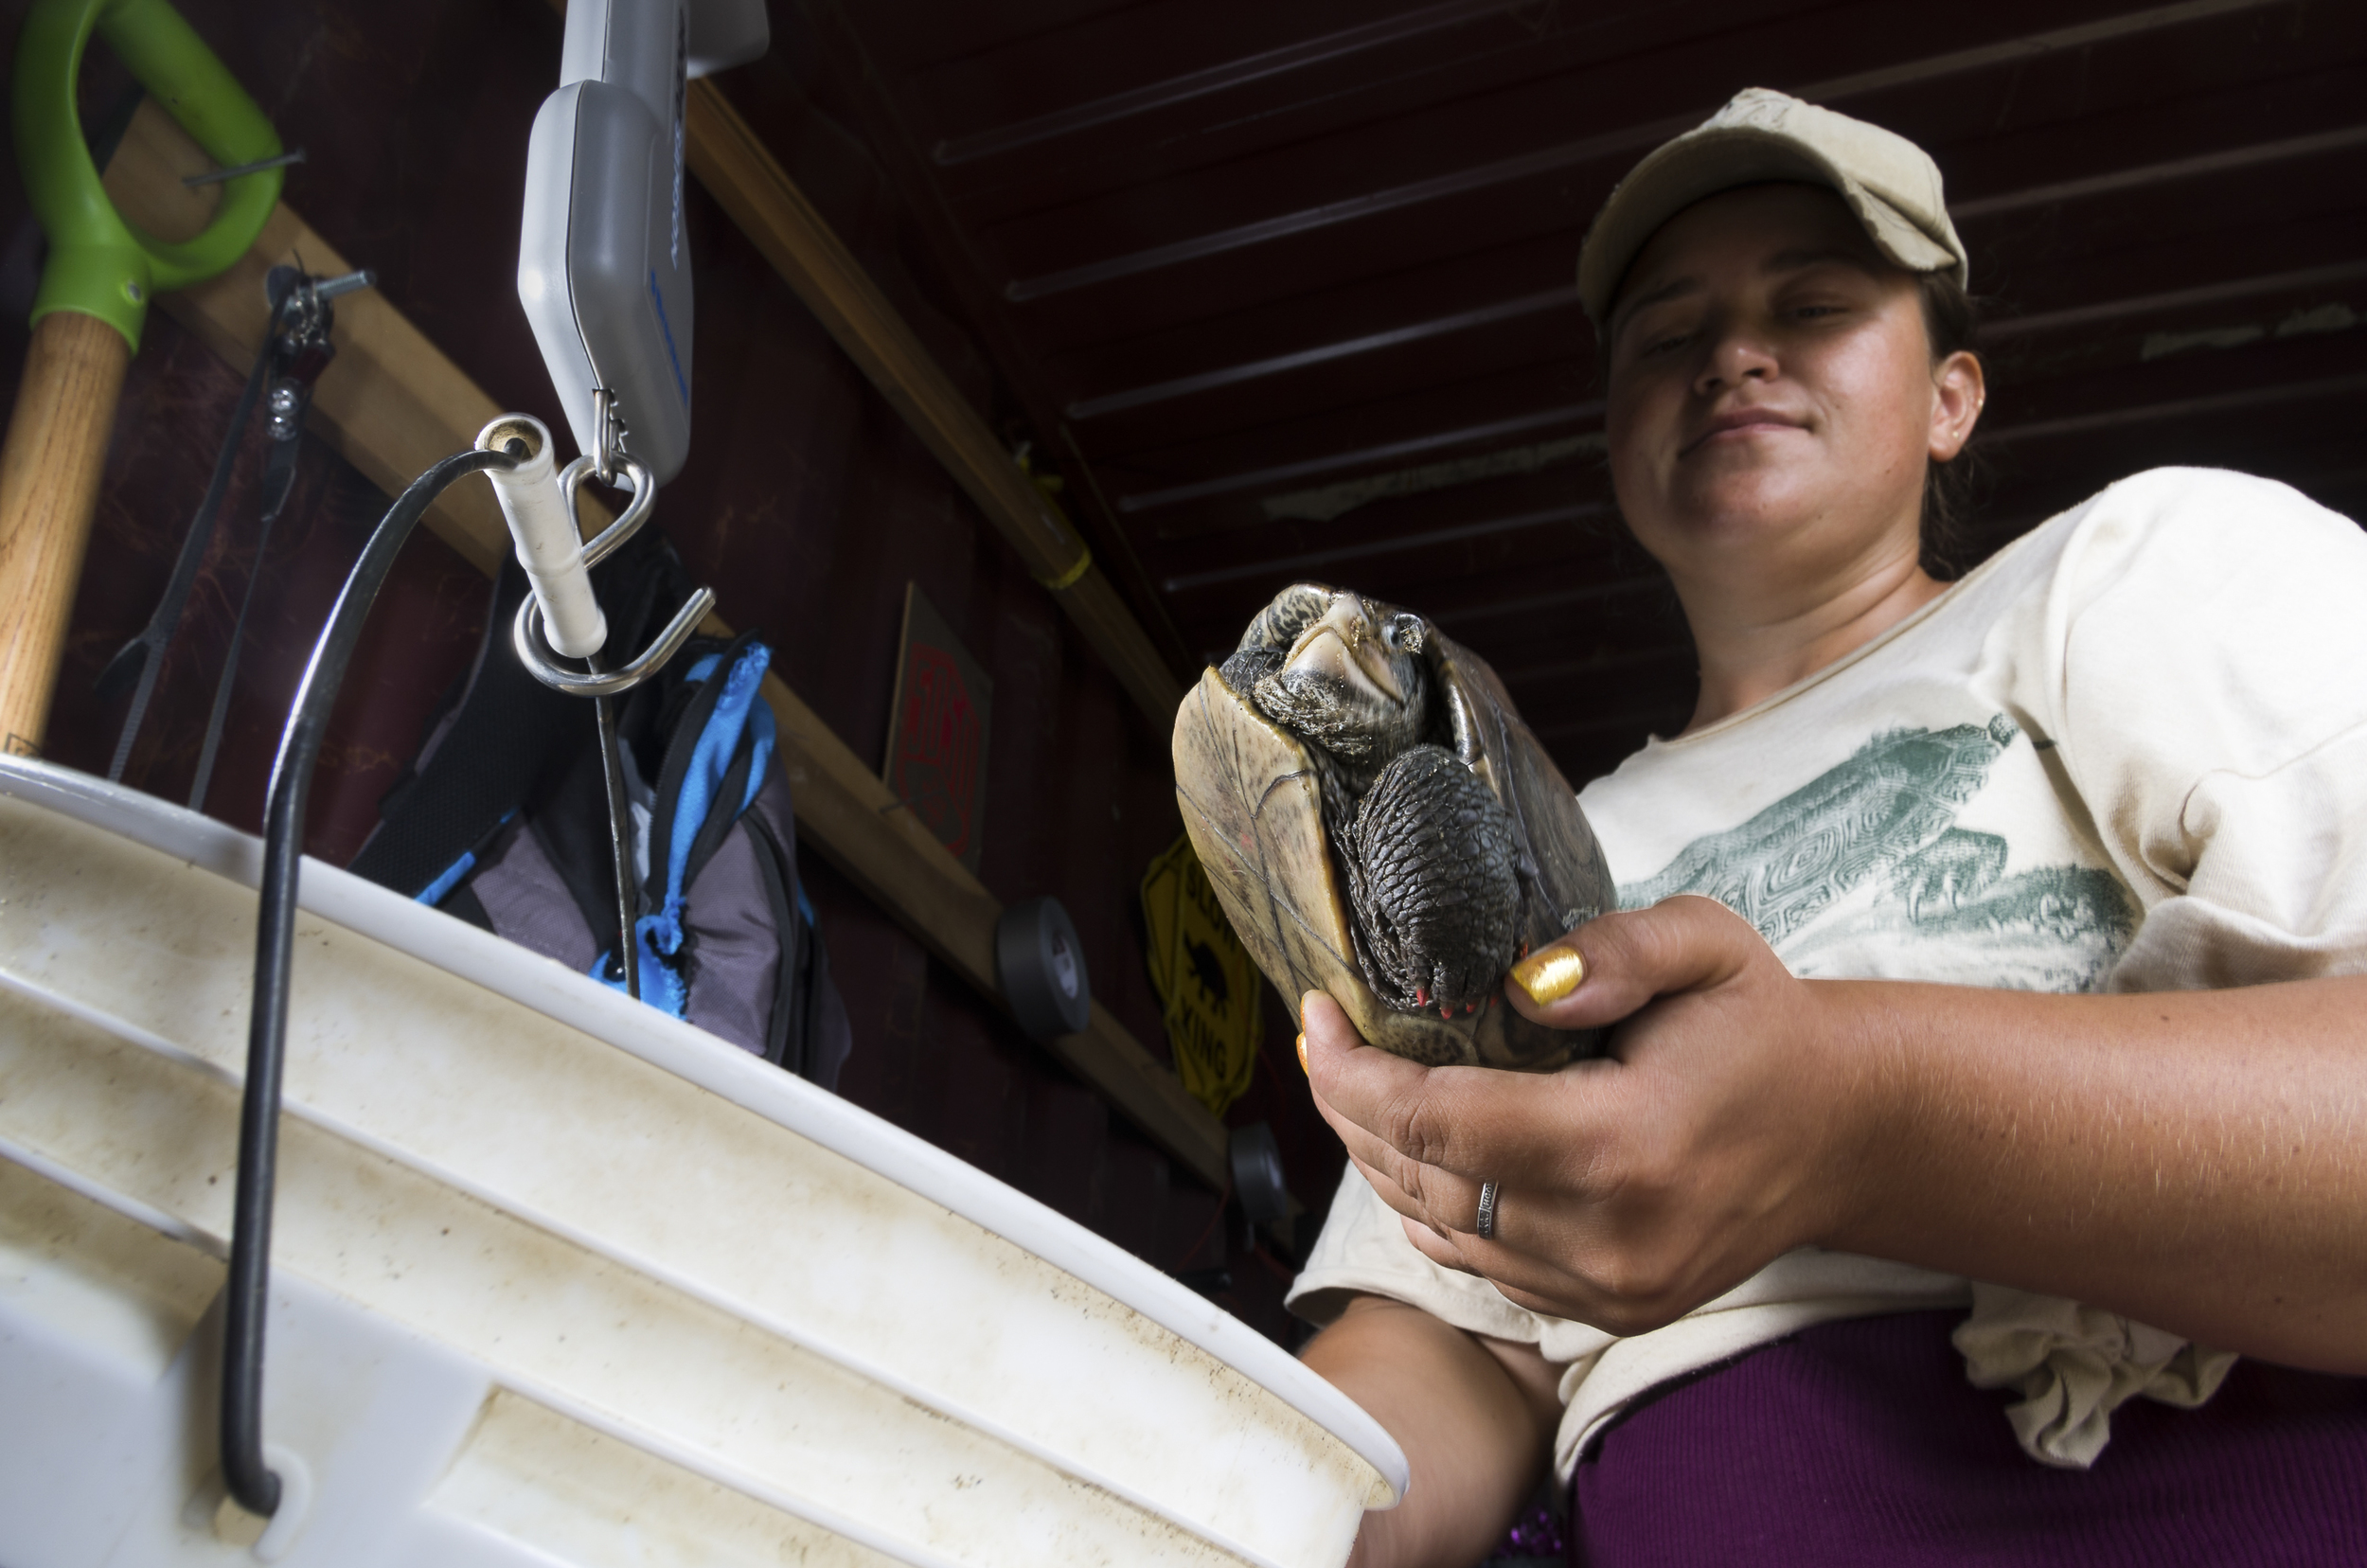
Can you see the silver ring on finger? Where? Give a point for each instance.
(1488, 1211)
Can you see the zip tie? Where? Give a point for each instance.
(1068, 579)
(215, 176)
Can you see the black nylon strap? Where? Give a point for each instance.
(508, 733)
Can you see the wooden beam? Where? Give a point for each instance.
(750, 184)
(392, 403)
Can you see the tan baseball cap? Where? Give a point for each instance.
(1890, 183)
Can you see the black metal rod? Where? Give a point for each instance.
(227, 682)
(157, 635)
(251, 1480)
(619, 833)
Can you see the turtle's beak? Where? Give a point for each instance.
(1346, 646)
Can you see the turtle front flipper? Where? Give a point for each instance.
(1266, 644)
(1292, 611)
(1433, 862)
(1249, 666)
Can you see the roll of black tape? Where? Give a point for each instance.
(1041, 966)
(1257, 1179)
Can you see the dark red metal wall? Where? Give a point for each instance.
(806, 503)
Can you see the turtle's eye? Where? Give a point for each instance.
(1403, 631)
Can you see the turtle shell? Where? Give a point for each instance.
(1252, 802)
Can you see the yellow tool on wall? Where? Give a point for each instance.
(1207, 983)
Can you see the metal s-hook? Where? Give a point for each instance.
(529, 635)
(535, 652)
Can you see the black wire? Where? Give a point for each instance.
(619, 833)
(251, 1480)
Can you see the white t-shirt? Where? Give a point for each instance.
(2128, 753)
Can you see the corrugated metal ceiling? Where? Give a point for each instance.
(1288, 288)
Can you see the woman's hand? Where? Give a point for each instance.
(2195, 1160)
(1630, 1189)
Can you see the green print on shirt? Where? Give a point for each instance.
(1864, 872)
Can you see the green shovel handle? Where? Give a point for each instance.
(99, 264)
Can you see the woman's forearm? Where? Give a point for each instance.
(1475, 1435)
(2197, 1160)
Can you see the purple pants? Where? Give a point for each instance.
(1862, 1442)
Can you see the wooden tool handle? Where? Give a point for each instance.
(50, 474)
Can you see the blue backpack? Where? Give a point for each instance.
(501, 820)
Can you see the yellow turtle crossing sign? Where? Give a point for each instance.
(1210, 988)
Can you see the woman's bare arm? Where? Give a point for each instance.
(1475, 1416)
(2197, 1160)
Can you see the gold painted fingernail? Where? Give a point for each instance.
(1303, 1066)
(1551, 975)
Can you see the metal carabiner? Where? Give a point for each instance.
(607, 434)
(609, 540)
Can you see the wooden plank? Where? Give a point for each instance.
(750, 184)
(392, 403)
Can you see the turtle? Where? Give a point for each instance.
(1379, 822)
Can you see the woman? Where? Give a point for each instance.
(1951, 1028)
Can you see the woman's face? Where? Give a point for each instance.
(1773, 396)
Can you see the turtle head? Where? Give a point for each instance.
(1355, 681)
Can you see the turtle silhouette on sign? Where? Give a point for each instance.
(1208, 969)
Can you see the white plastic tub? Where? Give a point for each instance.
(557, 1278)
